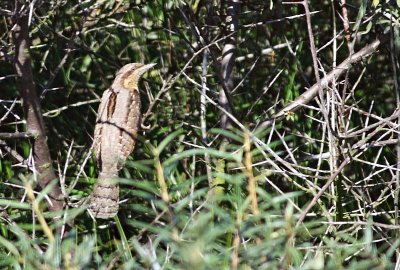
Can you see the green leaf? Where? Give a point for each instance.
(226, 133)
(168, 139)
(192, 152)
(360, 15)
(125, 245)
(15, 204)
(9, 245)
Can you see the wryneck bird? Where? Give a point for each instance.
(117, 124)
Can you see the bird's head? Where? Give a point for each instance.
(130, 74)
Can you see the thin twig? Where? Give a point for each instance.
(312, 92)
(17, 135)
(203, 121)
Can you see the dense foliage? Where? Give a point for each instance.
(238, 189)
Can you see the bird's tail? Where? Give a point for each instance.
(104, 199)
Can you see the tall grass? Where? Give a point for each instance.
(247, 226)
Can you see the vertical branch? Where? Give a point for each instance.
(227, 63)
(312, 43)
(203, 102)
(203, 122)
(350, 46)
(394, 60)
(333, 147)
(32, 110)
(248, 169)
(235, 259)
(346, 25)
(228, 59)
(337, 113)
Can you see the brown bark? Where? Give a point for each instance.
(32, 110)
(228, 60)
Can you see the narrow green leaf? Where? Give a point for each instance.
(15, 204)
(9, 245)
(168, 139)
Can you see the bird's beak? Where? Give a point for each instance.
(145, 68)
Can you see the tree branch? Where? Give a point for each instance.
(17, 135)
(312, 92)
(228, 60)
(32, 110)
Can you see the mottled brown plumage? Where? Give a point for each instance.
(115, 133)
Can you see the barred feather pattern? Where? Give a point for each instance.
(115, 138)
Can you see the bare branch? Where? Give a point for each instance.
(312, 92)
(33, 114)
(228, 60)
(17, 135)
